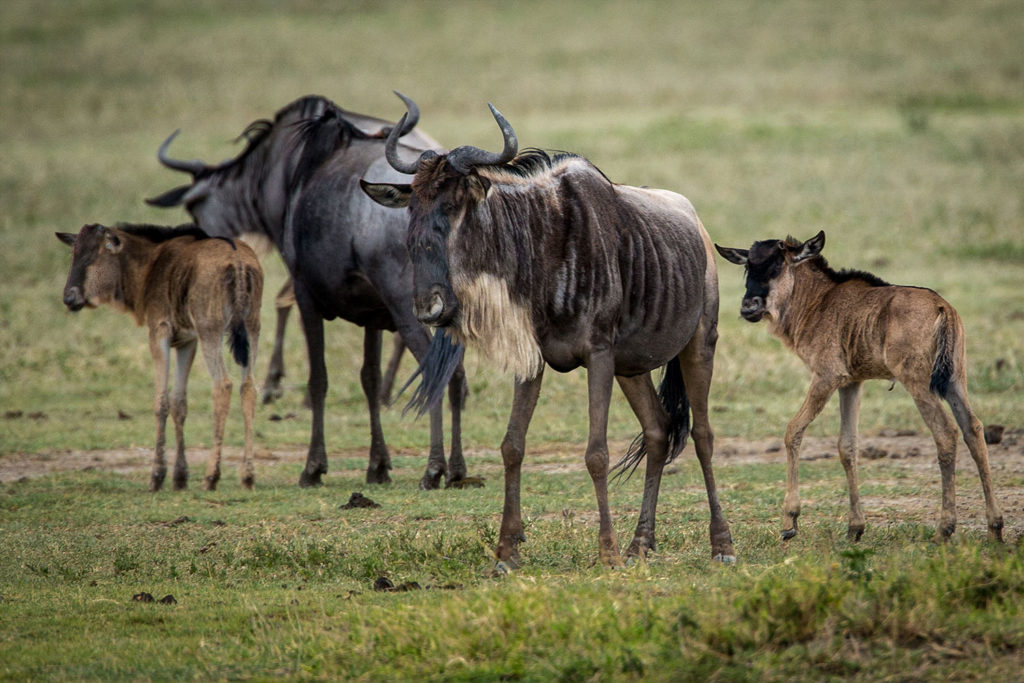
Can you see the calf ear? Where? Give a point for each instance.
(391, 195)
(810, 248)
(170, 198)
(737, 256)
(67, 238)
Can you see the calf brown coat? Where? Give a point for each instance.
(848, 327)
(189, 290)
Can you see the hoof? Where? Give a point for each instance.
(156, 482)
(307, 480)
(247, 483)
(378, 476)
(995, 531)
(788, 534)
(210, 482)
(180, 484)
(431, 482)
(639, 548)
(854, 533)
(727, 560)
(271, 394)
(504, 568)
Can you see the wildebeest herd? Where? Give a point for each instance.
(534, 259)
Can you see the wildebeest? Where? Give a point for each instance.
(849, 326)
(186, 288)
(541, 260)
(297, 184)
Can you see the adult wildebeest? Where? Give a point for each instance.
(850, 326)
(297, 183)
(542, 260)
(186, 288)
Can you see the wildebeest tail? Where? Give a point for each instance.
(672, 393)
(945, 354)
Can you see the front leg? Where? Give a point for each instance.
(817, 396)
(849, 407)
(513, 449)
(380, 459)
(600, 371)
(313, 326)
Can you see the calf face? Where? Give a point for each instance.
(768, 265)
(95, 274)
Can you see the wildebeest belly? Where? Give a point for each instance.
(354, 299)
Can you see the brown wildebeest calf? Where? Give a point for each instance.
(850, 326)
(187, 288)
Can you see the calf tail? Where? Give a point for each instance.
(944, 366)
(243, 287)
(238, 340)
(672, 393)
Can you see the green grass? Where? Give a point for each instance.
(897, 127)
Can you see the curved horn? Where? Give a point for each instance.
(391, 149)
(195, 166)
(414, 114)
(464, 158)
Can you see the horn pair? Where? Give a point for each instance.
(462, 159)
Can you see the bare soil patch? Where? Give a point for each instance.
(903, 455)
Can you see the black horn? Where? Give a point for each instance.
(414, 114)
(465, 158)
(391, 149)
(194, 167)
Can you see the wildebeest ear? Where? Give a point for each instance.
(67, 238)
(810, 248)
(737, 256)
(170, 198)
(113, 243)
(391, 195)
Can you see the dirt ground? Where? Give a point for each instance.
(912, 454)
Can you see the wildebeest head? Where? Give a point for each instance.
(95, 274)
(444, 188)
(250, 191)
(769, 277)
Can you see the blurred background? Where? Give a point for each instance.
(895, 126)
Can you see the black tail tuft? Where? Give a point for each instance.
(238, 340)
(672, 393)
(437, 367)
(942, 370)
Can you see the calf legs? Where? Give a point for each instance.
(973, 432)
(849, 407)
(817, 396)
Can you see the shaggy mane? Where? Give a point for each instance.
(839, 276)
(162, 233)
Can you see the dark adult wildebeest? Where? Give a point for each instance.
(850, 326)
(542, 260)
(186, 288)
(297, 183)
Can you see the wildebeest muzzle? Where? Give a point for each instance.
(752, 309)
(74, 299)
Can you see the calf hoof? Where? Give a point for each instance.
(210, 482)
(945, 531)
(788, 534)
(995, 531)
(156, 481)
(727, 560)
(271, 392)
(247, 482)
(504, 568)
(307, 480)
(853, 533)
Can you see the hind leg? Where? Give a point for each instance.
(973, 433)
(275, 371)
(849, 407)
(247, 394)
(643, 399)
(160, 349)
(210, 340)
(697, 362)
(944, 432)
(179, 410)
(380, 458)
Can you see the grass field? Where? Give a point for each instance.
(897, 127)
